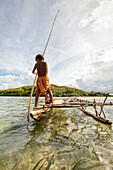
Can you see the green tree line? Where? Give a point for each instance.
(58, 91)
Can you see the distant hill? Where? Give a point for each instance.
(56, 90)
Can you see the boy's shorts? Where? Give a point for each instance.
(42, 85)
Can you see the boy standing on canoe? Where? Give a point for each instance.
(42, 85)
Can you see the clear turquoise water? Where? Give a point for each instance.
(67, 139)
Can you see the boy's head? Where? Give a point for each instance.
(39, 56)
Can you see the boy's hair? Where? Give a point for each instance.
(39, 56)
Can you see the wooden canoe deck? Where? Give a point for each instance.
(70, 104)
(44, 110)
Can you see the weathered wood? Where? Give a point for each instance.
(40, 114)
(104, 114)
(74, 104)
(95, 107)
(90, 113)
(31, 99)
(64, 103)
(103, 104)
(42, 111)
(50, 33)
(55, 106)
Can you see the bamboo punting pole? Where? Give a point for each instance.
(36, 75)
(50, 33)
(31, 98)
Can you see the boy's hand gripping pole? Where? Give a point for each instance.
(37, 74)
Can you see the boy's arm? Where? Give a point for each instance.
(33, 71)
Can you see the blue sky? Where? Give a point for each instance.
(80, 50)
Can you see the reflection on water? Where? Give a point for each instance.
(68, 139)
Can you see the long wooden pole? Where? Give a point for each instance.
(31, 99)
(36, 75)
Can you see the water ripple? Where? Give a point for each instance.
(68, 139)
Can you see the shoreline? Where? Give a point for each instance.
(59, 96)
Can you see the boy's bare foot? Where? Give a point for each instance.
(51, 104)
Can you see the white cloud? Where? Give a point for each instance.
(9, 81)
(78, 53)
(102, 55)
(96, 73)
(100, 18)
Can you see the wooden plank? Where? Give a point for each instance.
(77, 103)
(55, 106)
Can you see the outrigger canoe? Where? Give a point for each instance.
(100, 119)
(44, 110)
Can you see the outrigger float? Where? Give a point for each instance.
(45, 109)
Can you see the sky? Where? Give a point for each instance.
(80, 51)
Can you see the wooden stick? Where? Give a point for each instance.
(50, 32)
(78, 103)
(43, 106)
(104, 114)
(55, 106)
(95, 107)
(31, 99)
(103, 104)
(36, 75)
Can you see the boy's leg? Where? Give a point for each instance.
(50, 94)
(36, 99)
(46, 98)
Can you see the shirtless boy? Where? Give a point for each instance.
(42, 85)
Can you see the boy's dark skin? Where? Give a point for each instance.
(42, 70)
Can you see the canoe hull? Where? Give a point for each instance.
(39, 115)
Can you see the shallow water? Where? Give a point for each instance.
(67, 139)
